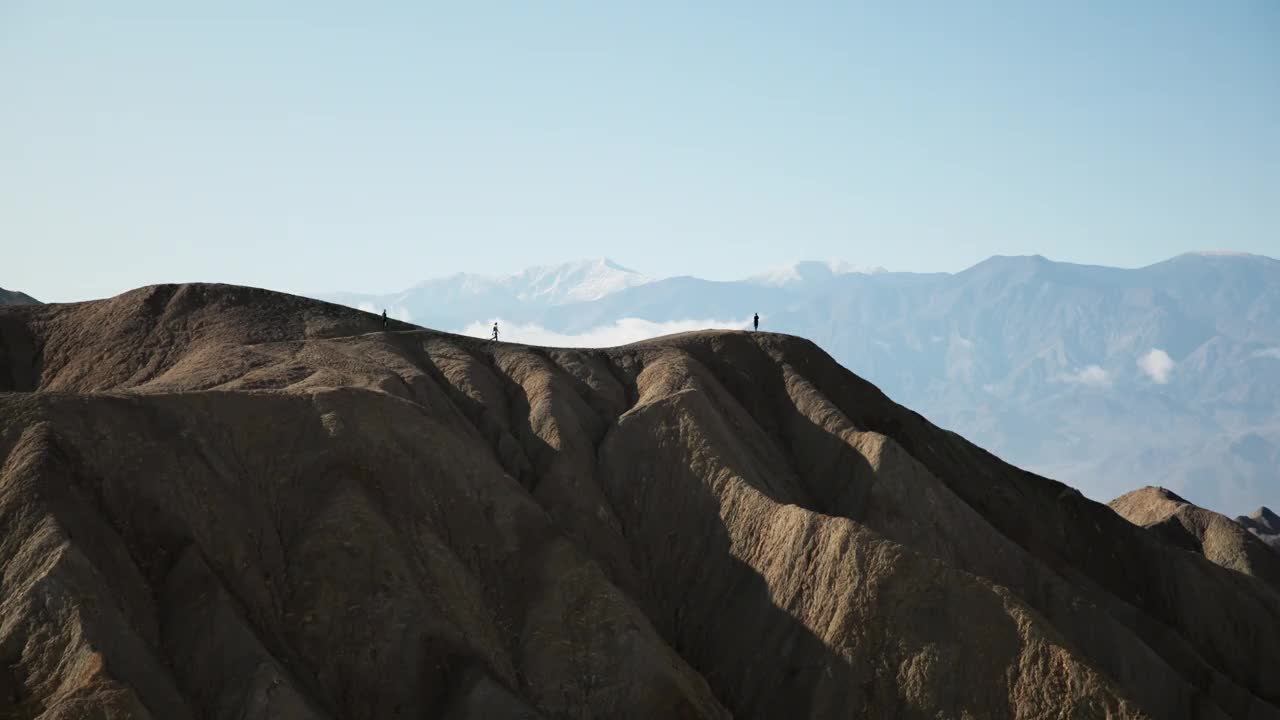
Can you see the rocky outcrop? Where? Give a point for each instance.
(224, 502)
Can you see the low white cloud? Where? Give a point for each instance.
(626, 330)
(366, 307)
(1157, 365)
(1273, 353)
(1092, 375)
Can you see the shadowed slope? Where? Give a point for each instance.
(13, 297)
(225, 502)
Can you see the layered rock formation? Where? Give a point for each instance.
(225, 502)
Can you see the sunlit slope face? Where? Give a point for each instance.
(1240, 544)
(224, 501)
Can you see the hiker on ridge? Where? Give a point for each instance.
(495, 333)
(384, 318)
(756, 320)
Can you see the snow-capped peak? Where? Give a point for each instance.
(809, 271)
(578, 281)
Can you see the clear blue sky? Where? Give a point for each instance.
(314, 146)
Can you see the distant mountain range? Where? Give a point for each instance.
(452, 301)
(810, 273)
(1105, 378)
(13, 297)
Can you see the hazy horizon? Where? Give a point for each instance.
(623, 263)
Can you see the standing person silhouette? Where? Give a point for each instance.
(384, 318)
(495, 333)
(756, 321)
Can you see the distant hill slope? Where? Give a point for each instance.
(13, 297)
(1169, 374)
(1265, 524)
(224, 502)
(1217, 537)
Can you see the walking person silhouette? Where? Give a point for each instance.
(495, 333)
(384, 318)
(756, 321)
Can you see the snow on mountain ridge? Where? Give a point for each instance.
(809, 270)
(577, 281)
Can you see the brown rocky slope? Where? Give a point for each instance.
(1217, 537)
(222, 502)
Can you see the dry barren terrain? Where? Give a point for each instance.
(222, 502)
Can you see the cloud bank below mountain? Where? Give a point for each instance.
(620, 332)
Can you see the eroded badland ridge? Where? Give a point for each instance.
(1227, 542)
(224, 502)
